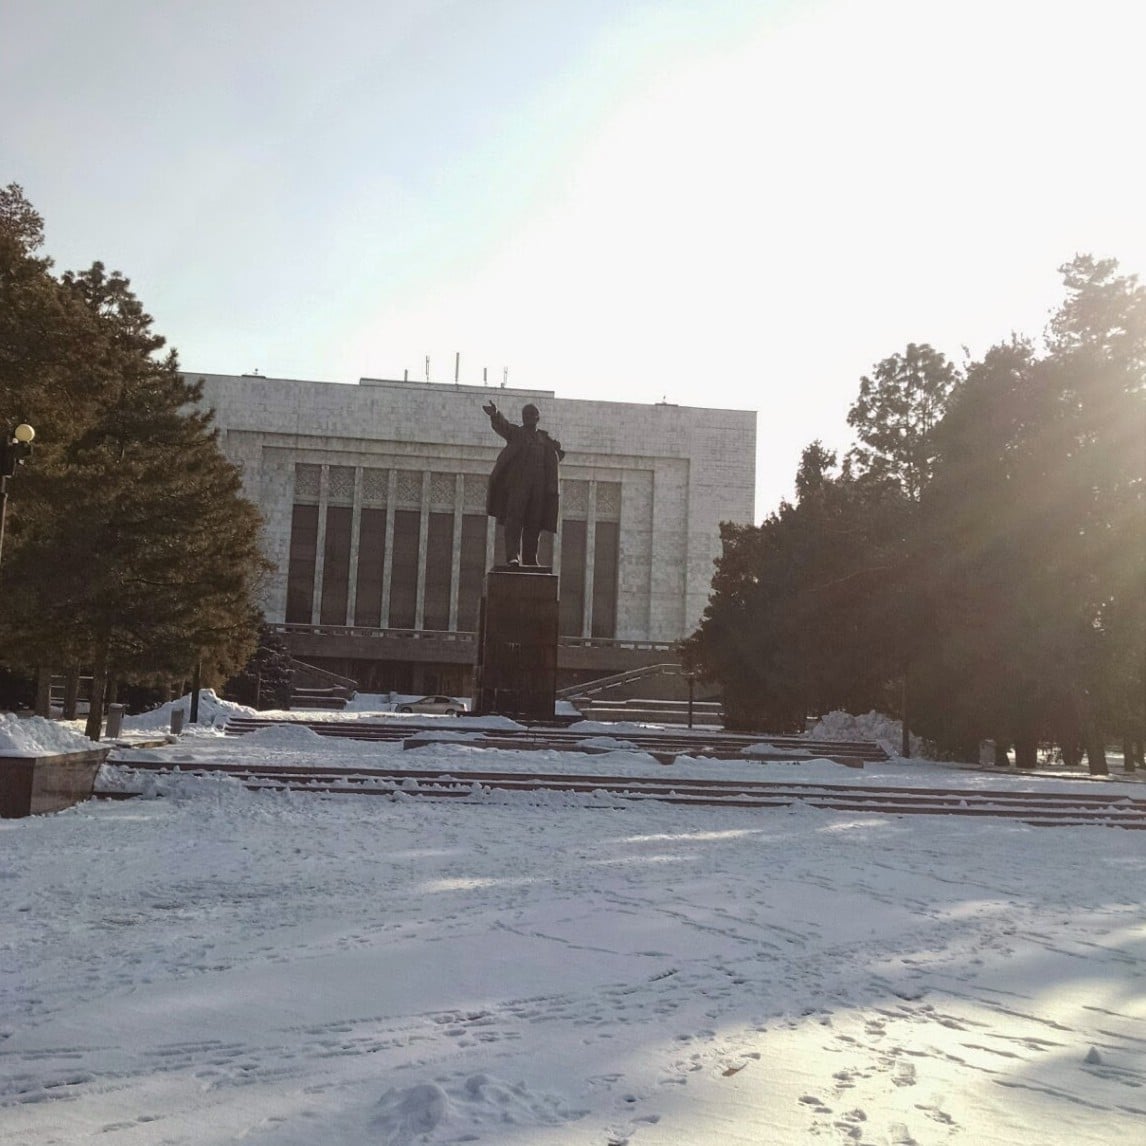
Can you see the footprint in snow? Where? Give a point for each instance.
(904, 1074)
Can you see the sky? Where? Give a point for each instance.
(730, 203)
(207, 965)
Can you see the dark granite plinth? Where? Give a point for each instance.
(32, 785)
(516, 670)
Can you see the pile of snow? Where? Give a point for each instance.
(35, 736)
(765, 751)
(435, 737)
(465, 1109)
(284, 736)
(493, 723)
(610, 742)
(213, 710)
(872, 726)
(611, 727)
(370, 702)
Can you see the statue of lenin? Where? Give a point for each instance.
(523, 488)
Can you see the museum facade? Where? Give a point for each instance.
(373, 500)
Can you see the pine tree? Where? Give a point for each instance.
(138, 556)
(1036, 518)
(801, 618)
(266, 679)
(45, 334)
(895, 416)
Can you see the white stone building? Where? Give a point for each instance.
(374, 504)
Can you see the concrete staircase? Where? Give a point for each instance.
(705, 713)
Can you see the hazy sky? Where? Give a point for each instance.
(737, 203)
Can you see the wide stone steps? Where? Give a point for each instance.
(666, 745)
(1039, 809)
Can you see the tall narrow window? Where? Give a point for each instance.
(300, 569)
(439, 566)
(605, 559)
(335, 565)
(371, 558)
(404, 574)
(572, 608)
(471, 572)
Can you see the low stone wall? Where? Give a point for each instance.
(33, 785)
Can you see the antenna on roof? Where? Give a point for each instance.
(485, 375)
(504, 376)
(457, 365)
(427, 368)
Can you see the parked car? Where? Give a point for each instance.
(446, 705)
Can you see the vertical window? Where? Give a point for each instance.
(572, 608)
(300, 568)
(335, 565)
(404, 569)
(605, 560)
(439, 566)
(371, 558)
(471, 573)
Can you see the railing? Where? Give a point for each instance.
(334, 680)
(616, 643)
(373, 633)
(589, 687)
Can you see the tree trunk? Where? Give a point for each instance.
(1071, 754)
(1026, 752)
(905, 744)
(71, 693)
(99, 683)
(1002, 760)
(196, 678)
(1096, 750)
(1128, 762)
(44, 692)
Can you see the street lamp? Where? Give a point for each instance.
(14, 450)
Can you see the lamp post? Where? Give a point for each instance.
(14, 450)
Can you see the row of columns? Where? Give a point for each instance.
(423, 540)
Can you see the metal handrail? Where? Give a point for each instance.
(589, 687)
(377, 632)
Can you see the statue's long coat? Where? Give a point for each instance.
(502, 477)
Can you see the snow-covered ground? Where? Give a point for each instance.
(540, 969)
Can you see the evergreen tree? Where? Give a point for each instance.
(1097, 368)
(137, 555)
(798, 621)
(895, 416)
(45, 333)
(985, 533)
(1036, 518)
(985, 541)
(266, 680)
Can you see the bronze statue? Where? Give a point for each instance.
(523, 489)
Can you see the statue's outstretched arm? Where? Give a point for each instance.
(498, 421)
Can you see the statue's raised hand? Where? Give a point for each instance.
(490, 409)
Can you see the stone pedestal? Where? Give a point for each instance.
(516, 670)
(32, 785)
